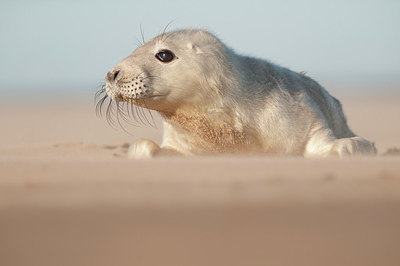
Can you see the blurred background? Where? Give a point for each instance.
(59, 47)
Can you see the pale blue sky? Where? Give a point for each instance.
(75, 43)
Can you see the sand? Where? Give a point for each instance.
(69, 196)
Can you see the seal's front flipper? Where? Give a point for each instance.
(352, 147)
(144, 149)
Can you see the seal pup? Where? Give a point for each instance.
(215, 101)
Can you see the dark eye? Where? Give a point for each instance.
(165, 56)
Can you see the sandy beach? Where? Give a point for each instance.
(69, 195)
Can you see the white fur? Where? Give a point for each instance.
(216, 101)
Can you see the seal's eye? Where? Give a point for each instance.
(165, 56)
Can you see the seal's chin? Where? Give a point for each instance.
(137, 100)
(153, 102)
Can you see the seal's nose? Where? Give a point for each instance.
(112, 76)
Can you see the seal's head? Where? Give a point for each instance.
(173, 69)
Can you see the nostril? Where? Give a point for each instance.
(112, 75)
(115, 75)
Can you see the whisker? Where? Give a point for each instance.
(133, 112)
(110, 114)
(125, 115)
(118, 112)
(151, 115)
(142, 33)
(138, 42)
(99, 105)
(99, 92)
(144, 113)
(165, 30)
(139, 112)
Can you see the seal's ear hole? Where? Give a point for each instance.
(193, 47)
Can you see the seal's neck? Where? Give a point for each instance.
(216, 131)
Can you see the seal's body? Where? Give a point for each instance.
(215, 101)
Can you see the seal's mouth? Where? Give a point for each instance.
(120, 109)
(143, 98)
(137, 100)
